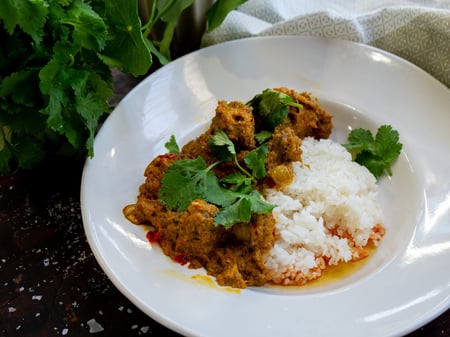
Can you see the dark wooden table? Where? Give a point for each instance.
(50, 282)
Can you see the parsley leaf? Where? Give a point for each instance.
(377, 153)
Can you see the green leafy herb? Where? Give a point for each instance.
(376, 153)
(224, 148)
(55, 68)
(273, 107)
(172, 145)
(263, 136)
(189, 179)
(242, 208)
(55, 76)
(256, 160)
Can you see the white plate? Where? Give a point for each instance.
(403, 286)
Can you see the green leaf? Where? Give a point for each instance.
(172, 145)
(222, 146)
(89, 29)
(239, 211)
(359, 140)
(126, 45)
(237, 179)
(273, 107)
(376, 154)
(163, 60)
(371, 162)
(216, 194)
(29, 15)
(263, 136)
(217, 13)
(171, 9)
(256, 161)
(387, 143)
(183, 182)
(258, 205)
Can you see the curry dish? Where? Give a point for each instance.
(235, 255)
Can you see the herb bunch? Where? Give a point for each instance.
(56, 58)
(377, 153)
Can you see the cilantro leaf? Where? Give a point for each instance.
(242, 209)
(184, 182)
(222, 146)
(273, 107)
(172, 145)
(256, 161)
(377, 153)
(387, 143)
(263, 136)
(239, 211)
(237, 181)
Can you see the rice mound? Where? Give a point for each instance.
(326, 216)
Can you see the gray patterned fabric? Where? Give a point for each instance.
(418, 31)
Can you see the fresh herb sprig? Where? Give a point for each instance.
(377, 153)
(189, 179)
(273, 107)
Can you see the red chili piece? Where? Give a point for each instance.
(152, 236)
(181, 259)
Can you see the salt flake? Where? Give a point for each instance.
(94, 327)
(11, 309)
(37, 297)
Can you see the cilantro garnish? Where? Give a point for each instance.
(375, 153)
(273, 107)
(189, 179)
(172, 145)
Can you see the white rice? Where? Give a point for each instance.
(331, 198)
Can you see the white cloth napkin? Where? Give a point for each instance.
(418, 31)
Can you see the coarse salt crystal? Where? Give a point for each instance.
(94, 327)
(37, 297)
(11, 309)
(64, 331)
